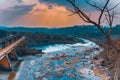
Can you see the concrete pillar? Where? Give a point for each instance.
(13, 56)
(5, 63)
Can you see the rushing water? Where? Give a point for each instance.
(61, 62)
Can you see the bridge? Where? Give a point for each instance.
(8, 52)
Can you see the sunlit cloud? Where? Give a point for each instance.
(49, 16)
(42, 13)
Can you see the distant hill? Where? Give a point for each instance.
(78, 31)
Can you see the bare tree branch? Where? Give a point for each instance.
(109, 15)
(102, 10)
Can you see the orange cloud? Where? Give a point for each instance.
(49, 16)
(40, 14)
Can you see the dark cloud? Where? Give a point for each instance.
(21, 10)
(18, 10)
(50, 6)
(64, 2)
(80, 3)
(58, 2)
(12, 13)
(19, 1)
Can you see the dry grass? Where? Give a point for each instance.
(112, 52)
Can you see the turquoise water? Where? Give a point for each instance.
(60, 62)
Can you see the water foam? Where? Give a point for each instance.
(56, 47)
(60, 47)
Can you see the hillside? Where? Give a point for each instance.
(78, 31)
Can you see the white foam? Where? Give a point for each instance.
(84, 44)
(54, 48)
(60, 47)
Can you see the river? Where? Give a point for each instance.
(61, 62)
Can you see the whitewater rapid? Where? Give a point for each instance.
(60, 47)
(61, 62)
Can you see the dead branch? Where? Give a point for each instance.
(86, 18)
(109, 15)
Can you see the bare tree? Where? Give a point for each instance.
(105, 14)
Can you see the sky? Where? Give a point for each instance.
(44, 13)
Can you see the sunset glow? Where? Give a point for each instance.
(39, 13)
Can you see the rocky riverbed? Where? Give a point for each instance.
(61, 62)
